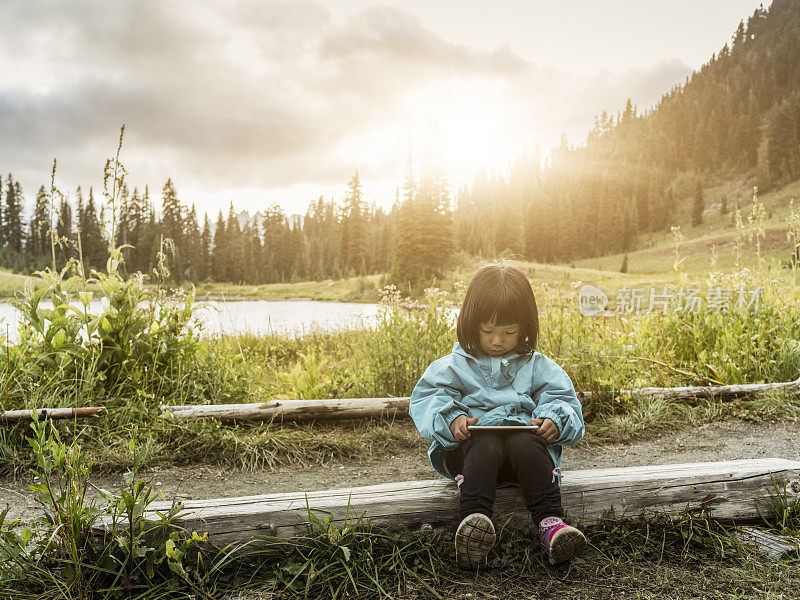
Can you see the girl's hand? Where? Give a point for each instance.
(547, 429)
(459, 426)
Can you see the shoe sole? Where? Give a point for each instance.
(474, 538)
(566, 544)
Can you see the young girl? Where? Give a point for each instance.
(494, 376)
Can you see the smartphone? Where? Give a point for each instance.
(500, 427)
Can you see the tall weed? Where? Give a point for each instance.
(407, 337)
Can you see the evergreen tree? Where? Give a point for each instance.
(407, 266)
(172, 228)
(234, 248)
(220, 268)
(148, 236)
(354, 224)
(92, 242)
(274, 251)
(39, 236)
(13, 235)
(192, 246)
(206, 240)
(425, 239)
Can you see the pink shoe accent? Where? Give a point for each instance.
(562, 542)
(459, 479)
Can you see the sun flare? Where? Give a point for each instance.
(473, 123)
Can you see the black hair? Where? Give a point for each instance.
(501, 294)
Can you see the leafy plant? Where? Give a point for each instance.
(140, 550)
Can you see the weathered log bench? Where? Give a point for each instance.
(730, 490)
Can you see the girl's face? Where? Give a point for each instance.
(496, 341)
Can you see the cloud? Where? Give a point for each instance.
(248, 92)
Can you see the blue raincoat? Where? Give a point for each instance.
(513, 387)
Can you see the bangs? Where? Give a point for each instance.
(503, 307)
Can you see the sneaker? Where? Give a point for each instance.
(474, 538)
(562, 542)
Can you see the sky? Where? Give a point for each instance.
(281, 101)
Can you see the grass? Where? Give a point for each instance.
(655, 558)
(353, 289)
(603, 355)
(11, 283)
(170, 364)
(160, 360)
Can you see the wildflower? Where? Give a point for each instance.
(389, 294)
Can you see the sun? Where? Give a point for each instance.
(467, 124)
(472, 124)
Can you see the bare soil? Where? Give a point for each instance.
(729, 440)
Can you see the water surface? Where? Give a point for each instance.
(259, 317)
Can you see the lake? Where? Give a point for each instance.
(283, 317)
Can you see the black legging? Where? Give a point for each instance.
(487, 458)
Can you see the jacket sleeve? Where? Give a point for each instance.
(554, 397)
(435, 403)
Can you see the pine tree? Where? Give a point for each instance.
(39, 236)
(406, 264)
(192, 246)
(13, 235)
(425, 240)
(234, 249)
(738, 37)
(354, 220)
(220, 267)
(92, 242)
(274, 249)
(148, 234)
(131, 226)
(206, 240)
(172, 228)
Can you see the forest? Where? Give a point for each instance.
(636, 172)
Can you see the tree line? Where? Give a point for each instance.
(330, 241)
(412, 241)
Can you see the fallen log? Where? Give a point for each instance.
(723, 391)
(360, 408)
(295, 410)
(729, 490)
(14, 416)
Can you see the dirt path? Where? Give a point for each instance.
(713, 442)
